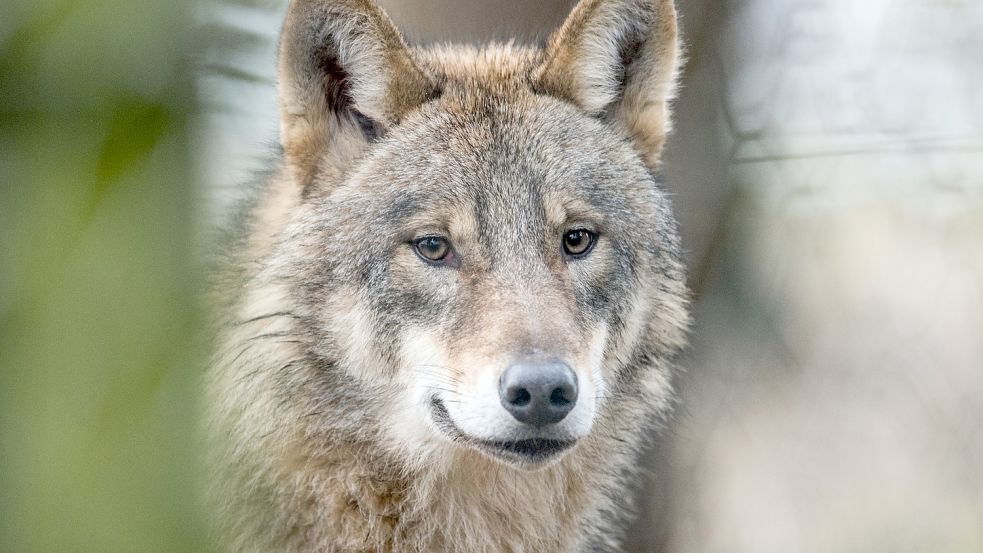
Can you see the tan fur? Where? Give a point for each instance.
(302, 465)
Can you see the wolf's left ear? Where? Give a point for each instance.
(617, 59)
(344, 76)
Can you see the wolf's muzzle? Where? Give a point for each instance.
(538, 393)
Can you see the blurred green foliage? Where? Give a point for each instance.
(100, 328)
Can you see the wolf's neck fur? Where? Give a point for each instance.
(364, 504)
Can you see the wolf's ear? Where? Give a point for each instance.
(344, 76)
(617, 59)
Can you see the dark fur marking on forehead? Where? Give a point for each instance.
(404, 206)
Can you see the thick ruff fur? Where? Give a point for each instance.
(337, 340)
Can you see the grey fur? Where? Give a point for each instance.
(319, 442)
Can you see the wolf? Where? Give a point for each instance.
(450, 316)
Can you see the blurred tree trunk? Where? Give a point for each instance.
(833, 396)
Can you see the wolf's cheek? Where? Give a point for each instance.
(422, 372)
(354, 332)
(413, 293)
(603, 284)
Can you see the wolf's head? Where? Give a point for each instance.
(478, 244)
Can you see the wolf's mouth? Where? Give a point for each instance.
(528, 450)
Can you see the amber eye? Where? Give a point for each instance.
(433, 248)
(578, 242)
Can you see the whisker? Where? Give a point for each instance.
(269, 316)
(280, 334)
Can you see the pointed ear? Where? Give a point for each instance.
(617, 59)
(344, 76)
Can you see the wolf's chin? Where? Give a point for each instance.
(528, 453)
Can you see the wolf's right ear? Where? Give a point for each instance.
(617, 60)
(344, 76)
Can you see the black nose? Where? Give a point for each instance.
(538, 393)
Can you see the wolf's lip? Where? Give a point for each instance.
(529, 450)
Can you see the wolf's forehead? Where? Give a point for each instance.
(491, 148)
(502, 160)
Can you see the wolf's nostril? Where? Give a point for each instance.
(522, 397)
(559, 396)
(538, 393)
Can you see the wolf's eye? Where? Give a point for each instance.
(578, 242)
(433, 248)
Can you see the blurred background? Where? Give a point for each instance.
(827, 169)
(100, 344)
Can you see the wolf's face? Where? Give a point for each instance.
(484, 249)
(498, 266)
